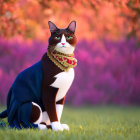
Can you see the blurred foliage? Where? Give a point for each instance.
(96, 19)
(113, 66)
(108, 72)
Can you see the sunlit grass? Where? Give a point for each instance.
(95, 123)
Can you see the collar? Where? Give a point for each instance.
(63, 61)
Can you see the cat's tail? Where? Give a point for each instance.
(3, 114)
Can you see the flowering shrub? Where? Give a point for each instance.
(15, 56)
(107, 72)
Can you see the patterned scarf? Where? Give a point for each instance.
(63, 61)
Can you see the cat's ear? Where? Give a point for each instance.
(72, 26)
(52, 26)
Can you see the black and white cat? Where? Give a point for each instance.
(36, 98)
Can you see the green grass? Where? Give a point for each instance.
(87, 123)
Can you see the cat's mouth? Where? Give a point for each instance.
(63, 47)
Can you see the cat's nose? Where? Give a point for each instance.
(63, 43)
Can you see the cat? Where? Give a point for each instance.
(36, 98)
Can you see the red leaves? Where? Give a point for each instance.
(95, 19)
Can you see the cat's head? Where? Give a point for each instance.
(62, 40)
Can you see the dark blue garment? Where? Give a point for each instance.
(27, 88)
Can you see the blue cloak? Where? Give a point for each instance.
(27, 88)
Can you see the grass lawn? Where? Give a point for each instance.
(87, 123)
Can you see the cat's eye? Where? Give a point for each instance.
(57, 37)
(69, 37)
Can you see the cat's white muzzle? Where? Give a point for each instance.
(66, 49)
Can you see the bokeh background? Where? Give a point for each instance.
(108, 48)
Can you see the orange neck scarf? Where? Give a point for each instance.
(63, 61)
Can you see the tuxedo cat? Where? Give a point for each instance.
(36, 98)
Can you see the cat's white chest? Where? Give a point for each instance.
(63, 82)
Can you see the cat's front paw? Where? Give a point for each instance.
(42, 126)
(56, 126)
(65, 127)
